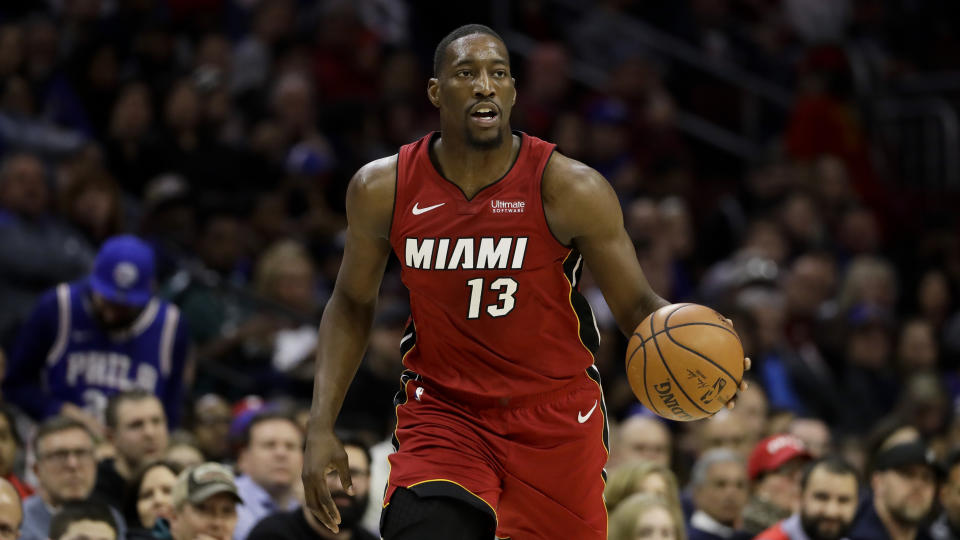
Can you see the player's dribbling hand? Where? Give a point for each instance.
(324, 453)
(743, 382)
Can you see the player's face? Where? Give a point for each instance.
(474, 90)
(828, 504)
(906, 493)
(114, 316)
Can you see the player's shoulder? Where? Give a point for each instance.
(376, 176)
(371, 194)
(565, 177)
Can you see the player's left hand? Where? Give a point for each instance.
(743, 382)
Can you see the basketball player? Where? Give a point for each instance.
(501, 424)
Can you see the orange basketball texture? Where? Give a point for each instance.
(684, 362)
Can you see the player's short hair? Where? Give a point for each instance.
(832, 464)
(56, 424)
(698, 476)
(73, 512)
(265, 416)
(465, 30)
(113, 404)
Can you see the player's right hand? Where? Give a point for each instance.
(324, 453)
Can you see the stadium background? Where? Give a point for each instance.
(792, 163)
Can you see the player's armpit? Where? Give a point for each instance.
(582, 209)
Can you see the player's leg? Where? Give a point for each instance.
(410, 517)
(442, 472)
(553, 483)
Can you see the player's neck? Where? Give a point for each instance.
(470, 167)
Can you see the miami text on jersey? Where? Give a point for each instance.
(465, 253)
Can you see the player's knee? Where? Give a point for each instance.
(409, 517)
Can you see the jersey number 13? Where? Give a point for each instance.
(506, 286)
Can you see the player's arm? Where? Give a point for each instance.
(345, 327)
(583, 210)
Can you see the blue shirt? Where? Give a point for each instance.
(63, 355)
(257, 504)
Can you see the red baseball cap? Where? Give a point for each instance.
(773, 452)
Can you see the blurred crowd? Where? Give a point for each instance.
(210, 143)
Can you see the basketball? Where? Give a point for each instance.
(684, 362)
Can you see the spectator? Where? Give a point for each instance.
(183, 454)
(38, 250)
(91, 203)
(10, 446)
(84, 521)
(753, 406)
(66, 473)
(205, 503)
(903, 481)
(723, 430)
(211, 426)
(299, 524)
(828, 503)
(719, 481)
(642, 438)
(270, 462)
(150, 497)
(94, 338)
(11, 511)
(774, 469)
(814, 433)
(947, 525)
(641, 477)
(137, 428)
(643, 516)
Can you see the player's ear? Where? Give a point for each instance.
(433, 91)
(514, 102)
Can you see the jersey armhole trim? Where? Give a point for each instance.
(543, 209)
(63, 324)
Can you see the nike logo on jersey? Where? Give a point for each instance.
(584, 417)
(417, 210)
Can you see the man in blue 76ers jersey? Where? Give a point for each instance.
(501, 427)
(88, 340)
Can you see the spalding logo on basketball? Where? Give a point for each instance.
(685, 362)
(125, 275)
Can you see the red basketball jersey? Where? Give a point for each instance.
(495, 310)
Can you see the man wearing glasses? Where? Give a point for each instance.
(66, 471)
